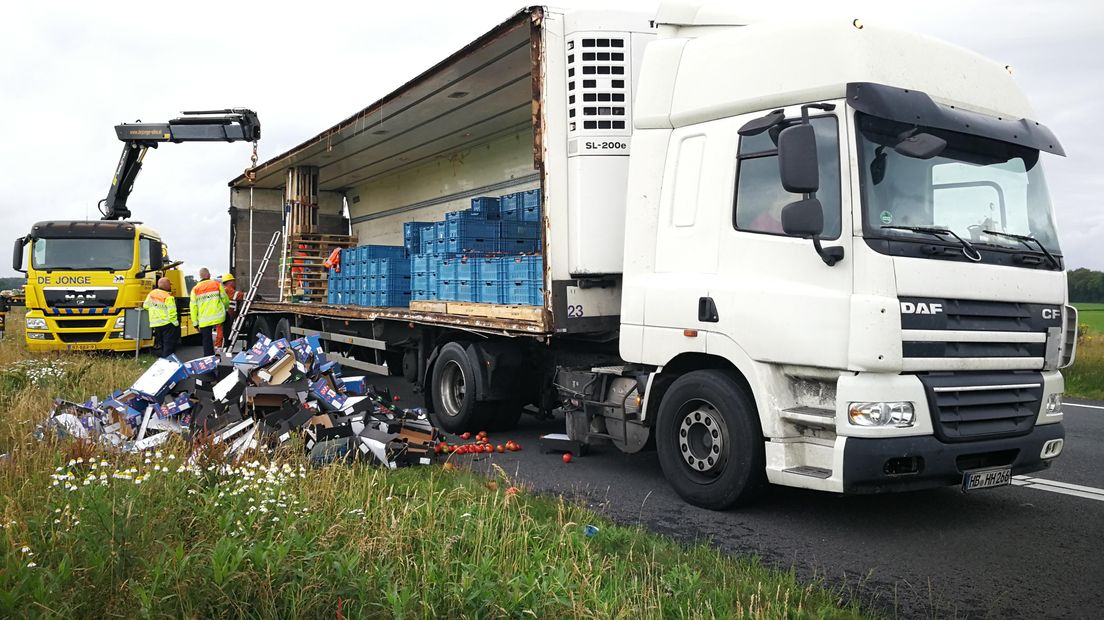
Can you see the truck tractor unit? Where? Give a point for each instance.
(82, 275)
(814, 255)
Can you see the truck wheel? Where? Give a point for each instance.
(260, 326)
(453, 392)
(283, 330)
(709, 441)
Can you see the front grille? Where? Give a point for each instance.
(970, 406)
(970, 315)
(973, 349)
(80, 337)
(80, 323)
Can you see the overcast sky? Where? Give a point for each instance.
(69, 71)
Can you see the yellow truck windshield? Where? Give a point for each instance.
(83, 254)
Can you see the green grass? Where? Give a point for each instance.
(1091, 316)
(1085, 379)
(94, 534)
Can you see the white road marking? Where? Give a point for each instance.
(1085, 406)
(1055, 486)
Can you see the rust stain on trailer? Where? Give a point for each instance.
(502, 327)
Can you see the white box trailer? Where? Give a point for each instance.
(829, 262)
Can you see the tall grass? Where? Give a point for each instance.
(1085, 379)
(88, 533)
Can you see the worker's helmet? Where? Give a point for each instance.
(227, 278)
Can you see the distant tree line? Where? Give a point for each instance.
(1086, 286)
(8, 283)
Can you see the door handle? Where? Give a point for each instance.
(707, 310)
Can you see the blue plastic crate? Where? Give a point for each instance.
(393, 299)
(515, 229)
(348, 257)
(472, 245)
(453, 216)
(522, 268)
(470, 226)
(485, 207)
(490, 292)
(393, 266)
(522, 214)
(467, 268)
(447, 268)
(412, 235)
(446, 290)
(392, 282)
(420, 263)
(363, 298)
(493, 268)
(440, 230)
(518, 246)
(467, 290)
(370, 252)
(528, 199)
(421, 295)
(525, 293)
(419, 282)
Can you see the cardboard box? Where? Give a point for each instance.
(159, 379)
(327, 396)
(202, 365)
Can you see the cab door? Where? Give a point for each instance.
(775, 298)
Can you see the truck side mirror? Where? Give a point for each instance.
(17, 255)
(797, 159)
(157, 259)
(803, 218)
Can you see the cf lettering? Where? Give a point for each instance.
(1052, 313)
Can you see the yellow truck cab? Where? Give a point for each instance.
(82, 275)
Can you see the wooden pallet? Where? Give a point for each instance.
(308, 268)
(494, 311)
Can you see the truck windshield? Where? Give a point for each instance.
(974, 185)
(83, 254)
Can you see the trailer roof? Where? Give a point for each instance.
(481, 91)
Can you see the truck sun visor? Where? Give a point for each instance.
(916, 107)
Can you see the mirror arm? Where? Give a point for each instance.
(830, 255)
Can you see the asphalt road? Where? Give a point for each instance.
(1011, 552)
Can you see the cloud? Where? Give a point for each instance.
(72, 70)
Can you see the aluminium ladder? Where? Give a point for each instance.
(239, 321)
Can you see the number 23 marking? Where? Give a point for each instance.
(575, 312)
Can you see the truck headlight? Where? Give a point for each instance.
(39, 336)
(119, 322)
(36, 323)
(897, 413)
(1054, 404)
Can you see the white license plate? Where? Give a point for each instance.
(986, 478)
(82, 347)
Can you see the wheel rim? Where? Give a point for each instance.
(452, 389)
(702, 439)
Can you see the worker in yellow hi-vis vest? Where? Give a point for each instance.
(163, 319)
(208, 306)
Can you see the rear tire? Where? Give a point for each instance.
(453, 390)
(283, 330)
(710, 442)
(260, 326)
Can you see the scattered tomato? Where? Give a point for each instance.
(448, 466)
(567, 457)
(488, 448)
(499, 449)
(395, 398)
(465, 436)
(512, 491)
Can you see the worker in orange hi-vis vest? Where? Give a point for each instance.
(208, 308)
(236, 298)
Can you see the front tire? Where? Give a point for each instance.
(453, 389)
(709, 441)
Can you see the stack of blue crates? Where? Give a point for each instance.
(490, 253)
(468, 256)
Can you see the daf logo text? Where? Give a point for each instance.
(908, 307)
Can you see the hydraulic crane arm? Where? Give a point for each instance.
(229, 125)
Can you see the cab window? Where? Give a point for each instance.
(759, 193)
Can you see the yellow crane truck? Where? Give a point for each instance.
(82, 275)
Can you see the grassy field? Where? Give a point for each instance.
(86, 533)
(1085, 379)
(1091, 316)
